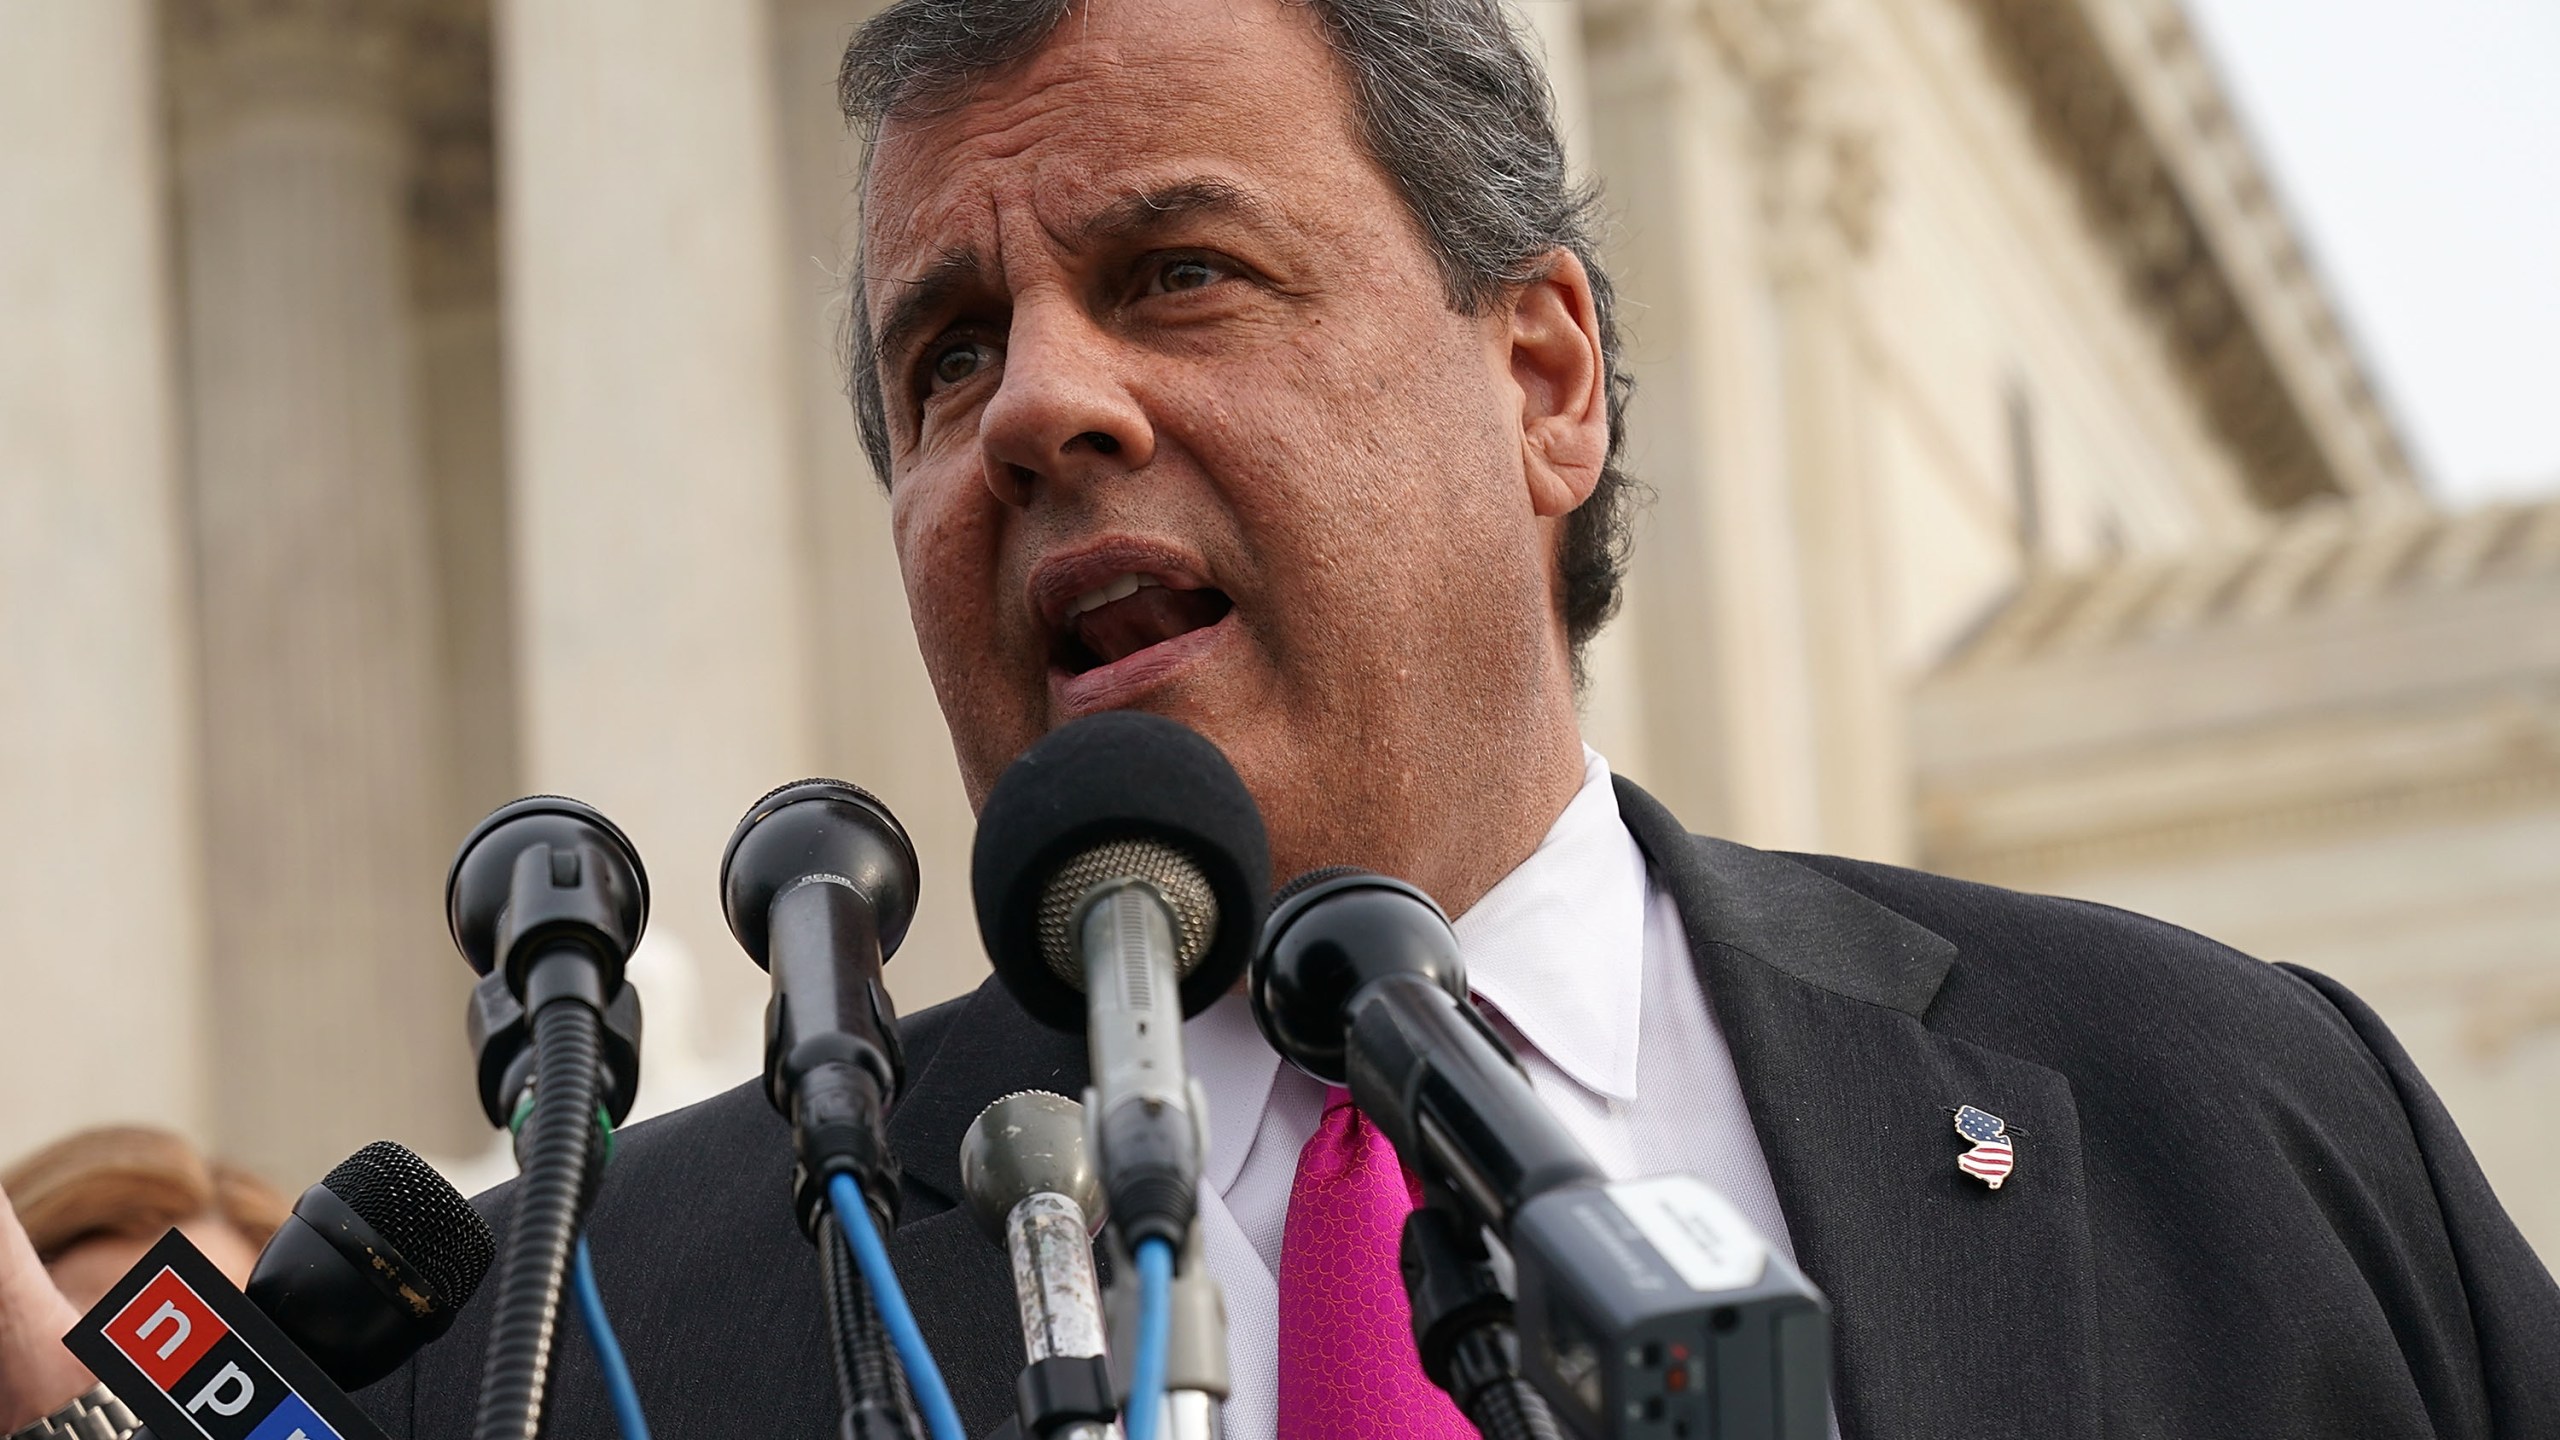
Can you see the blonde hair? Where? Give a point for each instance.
(132, 1180)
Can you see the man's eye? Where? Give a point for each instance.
(956, 363)
(1184, 274)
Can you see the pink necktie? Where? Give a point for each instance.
(1348, 1370)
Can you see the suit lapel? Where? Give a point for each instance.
(991, 1050)
(1956, 1310)
(960, 1281)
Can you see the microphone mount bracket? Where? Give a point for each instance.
(502, 1049)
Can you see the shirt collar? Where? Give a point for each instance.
(1234, 1066)
(1558, 945)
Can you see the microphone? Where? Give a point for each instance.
(1640, 1304)
(1119, 872)
(373, 1263)
(818, 884)
(549, 894)
(1120, 875)
(1029, 1185)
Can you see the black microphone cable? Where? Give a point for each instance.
(552, 1155)
(549, 894)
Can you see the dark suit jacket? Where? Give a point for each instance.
(2237, 1211)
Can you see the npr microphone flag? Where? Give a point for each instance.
(190, 1355)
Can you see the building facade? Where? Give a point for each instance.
(410, 405)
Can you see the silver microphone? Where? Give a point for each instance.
(1142, 914)
(1127, 919)
(1033, 1191)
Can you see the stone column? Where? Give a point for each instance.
(1822, 187)
(453, 268)
(100, 919)
(662, 581)
(337, 998)
(1714, 642)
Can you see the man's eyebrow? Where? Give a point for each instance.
(920, 300)
(1181, 200)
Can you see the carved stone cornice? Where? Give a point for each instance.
(2122, 96)
(228, 57)
(2353, 669)
(1821, 172)
(2489, 787)
(2329, 558)
(1819, 149)
(413, 73)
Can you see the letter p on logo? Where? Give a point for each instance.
(165, 1329)
(227, 1393)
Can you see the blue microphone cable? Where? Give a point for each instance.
(853, 1215)
(1155, 1338)
(617, 1371)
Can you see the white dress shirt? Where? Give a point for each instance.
(1581, 962)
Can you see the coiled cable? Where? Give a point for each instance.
(553, 1151)
(853, 1217)
(870, 1383)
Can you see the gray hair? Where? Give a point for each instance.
(1453, 107)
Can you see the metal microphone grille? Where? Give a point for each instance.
(1172, 873)
(420, 1213)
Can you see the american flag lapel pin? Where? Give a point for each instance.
(1993, 1154)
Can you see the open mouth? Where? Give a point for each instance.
(1130, 614)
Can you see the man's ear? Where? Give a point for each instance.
(1563, 383)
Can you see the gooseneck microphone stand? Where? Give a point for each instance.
(871, 1386)
(547, 893)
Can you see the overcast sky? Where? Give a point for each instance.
(2418, 146)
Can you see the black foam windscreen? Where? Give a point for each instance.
(1117, 776)
(420, 1213)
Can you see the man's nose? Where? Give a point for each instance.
(1061, 414)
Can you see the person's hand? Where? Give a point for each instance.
(37, 1375)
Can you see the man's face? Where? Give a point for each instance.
(1182, 421)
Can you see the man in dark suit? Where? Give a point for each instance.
(1250, 363)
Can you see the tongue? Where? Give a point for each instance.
(1150, 617)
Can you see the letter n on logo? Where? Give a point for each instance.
(166, 1329)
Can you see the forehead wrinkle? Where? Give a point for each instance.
(1189, 198)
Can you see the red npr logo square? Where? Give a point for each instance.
(166, 1329)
